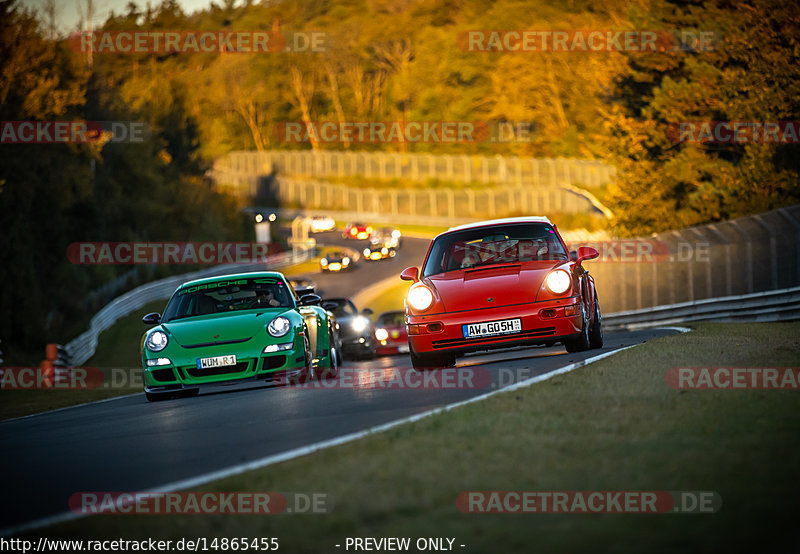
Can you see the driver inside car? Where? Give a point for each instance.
(266, 299)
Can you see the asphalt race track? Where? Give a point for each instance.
(348, 283)
(129, 444)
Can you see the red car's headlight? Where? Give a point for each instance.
(420, 298)
(558, 281)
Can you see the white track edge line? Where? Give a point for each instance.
(305, 450)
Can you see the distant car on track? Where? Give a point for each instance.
(377, 250)
(337, 260)
(357, 231)
(302, 286)
(321, 224)
(390, 236)
(242, 327)
(355, 329)
(497, 284)
(390, 333)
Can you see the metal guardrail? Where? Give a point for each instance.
(774, 305)
(503, 170)
(82, 348)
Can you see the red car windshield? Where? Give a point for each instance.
(502, 244)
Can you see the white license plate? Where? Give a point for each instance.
(216, 361)
(402, 348)
(489, 328)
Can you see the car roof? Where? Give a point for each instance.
(503, 221)
(250, 275)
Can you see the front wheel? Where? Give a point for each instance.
(308, 370)
(596, 332)
(332, 371)
(423, 362)
(581, 342)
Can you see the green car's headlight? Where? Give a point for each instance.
(279, 326)
(156, 341)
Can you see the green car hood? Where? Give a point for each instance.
(221, 328)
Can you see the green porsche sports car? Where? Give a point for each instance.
(247, 326)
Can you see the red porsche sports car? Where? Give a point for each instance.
(497, 284)
(390, 332)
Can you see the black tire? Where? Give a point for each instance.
(308, 371)
(332, 371)
(423, 362)
(581, 342)
(596, 332)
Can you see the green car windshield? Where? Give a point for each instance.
(228, 296)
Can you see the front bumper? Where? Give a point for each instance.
(356, 344)
(251, 364)
(542, 323)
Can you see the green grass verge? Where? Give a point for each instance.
(614, 425)
(117, 349)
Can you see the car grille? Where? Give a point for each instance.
(204, 344)
(222, 370)
(163, 375)
(532, 333)
(271, 362)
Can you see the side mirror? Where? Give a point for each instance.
(367, 311)
(410, 274)
(586, 253)
(310, 300)
(152, 319)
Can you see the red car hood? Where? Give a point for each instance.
(469, 289)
